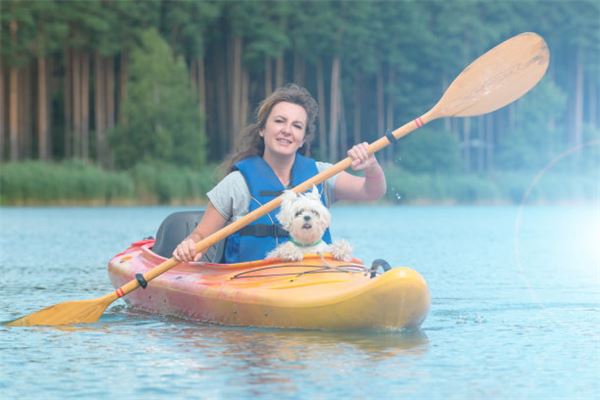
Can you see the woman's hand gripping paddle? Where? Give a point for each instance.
(497, 78)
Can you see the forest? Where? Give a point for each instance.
(119, 84)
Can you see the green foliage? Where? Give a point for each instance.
(188, 23)
(125, 21)
(429, 150)
(530, 143)
(163, 123)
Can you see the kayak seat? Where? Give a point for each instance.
(176, 227)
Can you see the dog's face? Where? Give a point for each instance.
(304, 216)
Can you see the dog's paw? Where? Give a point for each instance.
(341, 250)
(273, 254)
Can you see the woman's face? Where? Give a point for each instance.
(285, 129)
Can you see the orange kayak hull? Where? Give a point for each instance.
(317, 293)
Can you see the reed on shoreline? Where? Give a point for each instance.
(80, 183)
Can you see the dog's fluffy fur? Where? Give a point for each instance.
(306, 219)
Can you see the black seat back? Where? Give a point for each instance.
(176, 227)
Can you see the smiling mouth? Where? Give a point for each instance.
(284, 141)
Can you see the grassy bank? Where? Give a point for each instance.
(498, 188)
(75, 183)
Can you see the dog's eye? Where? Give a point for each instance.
(315, 213)
(299, 212)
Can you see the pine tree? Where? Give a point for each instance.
(163, 122)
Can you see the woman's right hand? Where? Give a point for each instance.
(186, 251)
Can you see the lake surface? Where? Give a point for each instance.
(515, 313)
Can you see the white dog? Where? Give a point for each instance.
(306, 219)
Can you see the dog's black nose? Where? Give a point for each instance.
(307, 217)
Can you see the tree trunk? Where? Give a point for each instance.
(447, 121)
(14, 114)
(76, 70)
(593, 110)
(110, 92)
(481, 135)
(244, 98)
(219, 131)
(268, 76)
(42, 114)
(466, 144)
(380, 102)
(201, 82)
(222, 94)
(322, 111)
(25, 113)
(2, 111)
(85, 105)
(14, 103)
(279, 71)
(512, 117)
(578, 102)
(194, 76)
(489, 142)
(100, 108)
(390, 112)
(334, 113)
(68, 104)
(123, 78)
(356, 109)
(343, 125)
(236, 88)
(299, 69)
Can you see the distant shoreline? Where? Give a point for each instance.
(76, 184)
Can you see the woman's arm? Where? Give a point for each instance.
(370, 187)
(211, 222)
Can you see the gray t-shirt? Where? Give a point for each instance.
(231, 197)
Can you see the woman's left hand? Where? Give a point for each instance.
(361, 159)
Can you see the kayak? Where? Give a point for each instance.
(318, 292)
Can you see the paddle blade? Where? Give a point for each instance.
(497, 78)
(71, 312)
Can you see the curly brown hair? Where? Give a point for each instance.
(252, 144)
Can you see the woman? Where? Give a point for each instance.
(270, 160)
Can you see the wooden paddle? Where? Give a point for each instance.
(495, 79)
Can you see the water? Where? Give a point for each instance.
(515, 313)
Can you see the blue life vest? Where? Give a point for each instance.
(254, 241)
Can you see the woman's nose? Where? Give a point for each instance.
(287, 129)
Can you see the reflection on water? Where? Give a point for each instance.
(263, 346)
